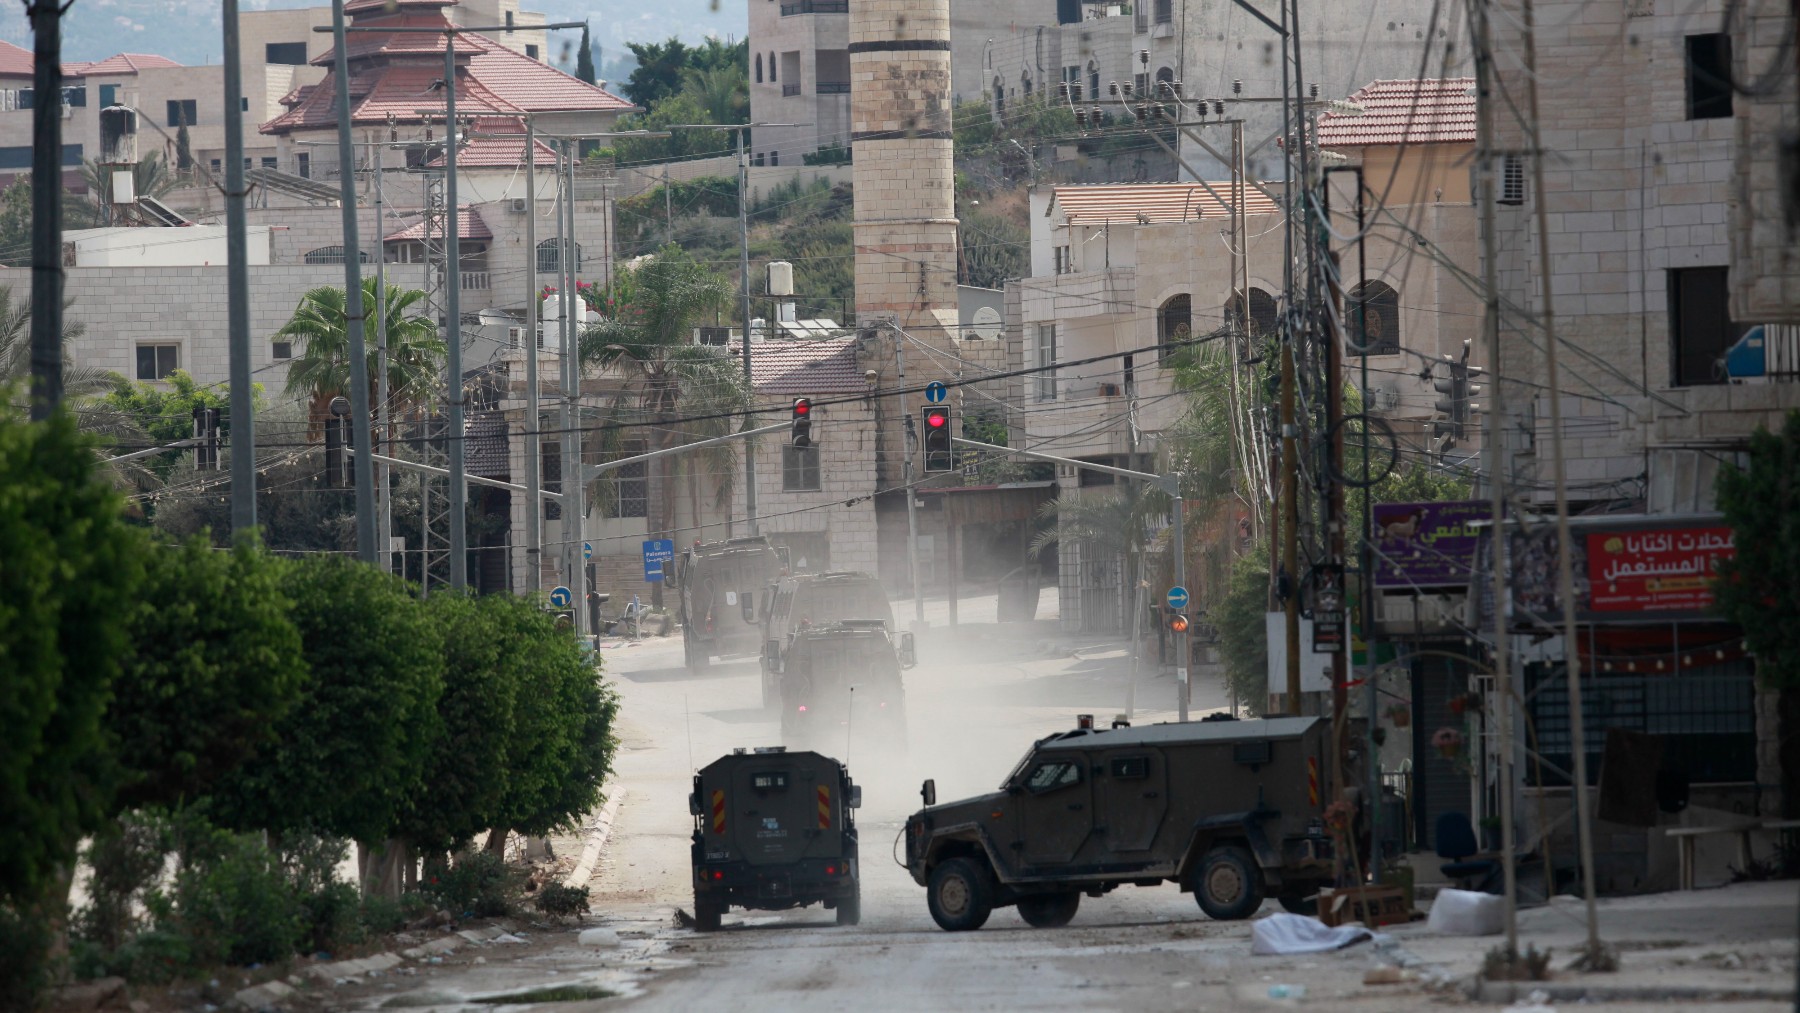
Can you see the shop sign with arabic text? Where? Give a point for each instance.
(1427, 544)
(1670, 570)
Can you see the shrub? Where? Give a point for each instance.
(24, 964)
(125, 859)
(231, 900)
(384, 915)
(480, 885)
(559, 901)
(329, 912)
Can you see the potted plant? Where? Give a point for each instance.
(1399, 715)
(1448, 742)
(1465, 703)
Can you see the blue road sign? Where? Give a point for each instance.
(587, 550)
(936, 392)
(657, 551)
(1178, 597)
(561, 597)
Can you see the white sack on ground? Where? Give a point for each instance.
(1287, 933)
(1466, 913)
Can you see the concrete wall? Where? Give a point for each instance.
(1765, 260)
(198, 245)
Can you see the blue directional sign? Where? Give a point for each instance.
(561, 597)
(936, 392)
(1178, 597)
(587, 550)
(657, 552)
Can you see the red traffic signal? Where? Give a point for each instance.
(801, 434)
(936, 420)
(802, 407)
(938, 458)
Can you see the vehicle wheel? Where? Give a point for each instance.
(961, 895)
(1227, 883)
(849, 908)
(1302, 902)
(707, 915)
(1049, 910)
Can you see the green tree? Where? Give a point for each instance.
(215, 662)
(165, 414)
(648, 341)
(1759, 588)
(15, 223)
(1238, 614)
(321, 369)
(714, 54)
(349, 755)
(658, 73)
(672, 110)
(722, 93)
(584, 59)
(69, 560)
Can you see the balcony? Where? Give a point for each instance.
(834, 88)
(816, 7)
(1081, 294)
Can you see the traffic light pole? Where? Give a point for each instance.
(593, 471)
(1170, 484)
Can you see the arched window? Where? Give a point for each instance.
(1174, 322)
(999, 95)
(1264, 320)
(549, 257)
(1372, 320)
(1025, 82)
(771, 66)
(330, 255)
(1163, 75)
(759, 68)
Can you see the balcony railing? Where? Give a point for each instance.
(476, 281)
(816, 7)
(834, 87)
(789, 90)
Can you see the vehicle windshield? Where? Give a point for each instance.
(837, 602)
(1024, 761)
(851, 660)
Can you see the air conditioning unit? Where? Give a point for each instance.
(518, 205)
(1423, 613)
(1109, 390)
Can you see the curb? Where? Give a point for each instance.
(1575, 992)
(598, 834)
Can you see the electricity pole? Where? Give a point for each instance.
(237, 286)
(459, 484)
(354, 311)
(534, 510)
(383, 473)
(46, 209)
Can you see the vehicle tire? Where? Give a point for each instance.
(1049, 910)
(849, 907)
(961, 895)
(1227, 883)
(707, 915)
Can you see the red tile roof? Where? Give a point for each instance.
(468, 226)
(1432, 111)
(15, 61)
(806, 367)
(497, 152)
(525, 82)
(123, 63)
(1150, 203)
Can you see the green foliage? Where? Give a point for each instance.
(674, 110)
(24, 959)
(995, 249)
(330, 910)
(1759, 589)
(646, 216)
(165, 411)
(679, 85)
(837, 154)
(479, 885)
(559, 901)
(658, 73)
(321, 366)
(348, 757)
(1238, 615)
(68, 561)
(123, 860)
(15, 223)
(584, 59)
(231, 902)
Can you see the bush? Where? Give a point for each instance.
(481, 885)
(152, 957)
(24, 963)
(329, 910)
(231, 900)
(559, 901)
(386, 915)
(125, 859)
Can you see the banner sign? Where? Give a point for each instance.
(1670, 570)
(1422, 545)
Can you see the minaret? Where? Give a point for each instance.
(905, 228)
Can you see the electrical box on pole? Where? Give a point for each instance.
(802, 428)
(206, 431)
(938, 458)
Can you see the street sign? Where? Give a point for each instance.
(936, 392)
(587, 550)
(657, 551)
(1178, 597)
(1328, 632)
(561, 597)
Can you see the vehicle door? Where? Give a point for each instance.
(1054, 803)
(1132, 798)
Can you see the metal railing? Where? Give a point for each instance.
(476, 281)
(816, 7)
(834, 88)
(789, 90)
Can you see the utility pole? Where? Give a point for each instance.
(383, 473)
(354, 311)
(46, 209)
(912, 514)
(574, 481)
(237, 288)
(459, 485)
(744, 295)
(534, 479)
(1490, 324)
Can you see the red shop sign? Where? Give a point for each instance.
(1668, 570)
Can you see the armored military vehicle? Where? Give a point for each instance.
(843, 678)
(719, 584)
(1230, 810)
(795, 603)
(773, 830)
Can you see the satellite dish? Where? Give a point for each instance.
(985, 324)
(494, 318)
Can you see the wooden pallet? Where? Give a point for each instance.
(1374, 906)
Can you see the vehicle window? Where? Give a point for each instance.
(1053, 775)
(1131, 767)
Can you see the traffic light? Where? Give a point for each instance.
(1178, 623)
(802, 434)
(938, 458)
(1458, 404)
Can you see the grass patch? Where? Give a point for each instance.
(549, 993)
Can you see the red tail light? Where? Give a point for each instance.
(718, 874)
(831, 870)
(803, 708)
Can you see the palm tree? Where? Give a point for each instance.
(321, 369)
(15, 351)
(724, 92)
(648, 342)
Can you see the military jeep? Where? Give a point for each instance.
(804, 601)
(842, 679)
(773, 830)
(1229, 810)
(719, 583)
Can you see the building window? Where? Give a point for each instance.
(627, 489)
(1512, 180)
(282, 349)
(216, 168)
(1164, 75)
(1065, 259)
(759, 68)
(1165, 11)
(183, 110)
(1264, 320)
(1700, 325)
(509, 20)
(303, 165)
(1709, 76)
(799, 469)
(75, 97)
(774, 158)
(1372, 320)
(109, 95)
(268, 161)
(154, 362)
(1705, 716)
(531, 51)
(331, 255)
(1174, 323)
(287, 54)
(1068, 12)
(1045, 361)
(999, 95)
(549, 257)
(771, 66)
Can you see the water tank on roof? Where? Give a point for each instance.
(781, 278)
